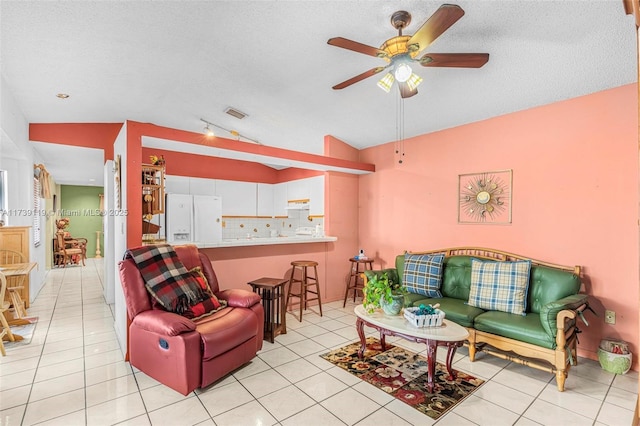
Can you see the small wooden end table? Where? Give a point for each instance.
(449, 334)
(355, 280)
(271, 290)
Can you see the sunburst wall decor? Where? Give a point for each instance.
(485, 197)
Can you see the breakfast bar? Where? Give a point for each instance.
(243, 242)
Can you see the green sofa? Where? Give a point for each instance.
(544, 338)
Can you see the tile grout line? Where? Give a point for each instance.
(57, 294)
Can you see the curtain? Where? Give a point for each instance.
(43, 177)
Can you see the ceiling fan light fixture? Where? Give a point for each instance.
(403, 72)
(414, 81)
(386, 82)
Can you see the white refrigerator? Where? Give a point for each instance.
(193, 219)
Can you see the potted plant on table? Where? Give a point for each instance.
(381, 291)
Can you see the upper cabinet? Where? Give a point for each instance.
(177, 184)
(316, 195)
(202, 186)
(298, 190)
(238, 198)
(265, 200)
(311, 189)
(280, 199)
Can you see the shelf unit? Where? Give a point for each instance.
(152, 196)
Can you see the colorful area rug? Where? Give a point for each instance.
(23, 333)
(403, 374)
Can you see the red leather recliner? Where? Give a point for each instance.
(185, 354)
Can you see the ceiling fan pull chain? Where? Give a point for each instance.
(401, 120)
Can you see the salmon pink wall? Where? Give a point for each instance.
(292, 173)
(334, 147)
(90, 135)
(236, 266)
(193, 165)
(575, 197)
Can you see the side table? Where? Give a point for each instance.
(355, 282)
(271, 290)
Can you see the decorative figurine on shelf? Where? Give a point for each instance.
(157, 161)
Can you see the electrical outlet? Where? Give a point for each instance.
(609, 317)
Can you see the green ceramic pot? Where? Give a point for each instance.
(395, 306)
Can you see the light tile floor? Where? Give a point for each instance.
(73, 373)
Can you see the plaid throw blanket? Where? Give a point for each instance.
(166, 278)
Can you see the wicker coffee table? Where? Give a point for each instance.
(449, 334)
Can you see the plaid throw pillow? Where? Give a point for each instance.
(423, 273)
(500, 286)
(208, 306)
(197, 273)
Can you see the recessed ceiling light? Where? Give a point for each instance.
(62, 95)
(92, 180)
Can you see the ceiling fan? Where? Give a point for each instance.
(403, 50)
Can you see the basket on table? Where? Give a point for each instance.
(417, 320)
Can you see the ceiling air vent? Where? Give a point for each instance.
(235, 113)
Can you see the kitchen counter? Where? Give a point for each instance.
(241, 242)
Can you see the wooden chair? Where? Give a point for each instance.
(4, 306)
(68, 250)
(14, 284)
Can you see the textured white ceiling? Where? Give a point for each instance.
(174, 62)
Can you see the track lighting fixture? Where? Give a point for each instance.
(208, 130)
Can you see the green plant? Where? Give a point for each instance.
(377, 286)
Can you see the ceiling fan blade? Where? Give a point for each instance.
(405, 91)
(460, 60)
(357, 78)
(439, 22)
(357, 47)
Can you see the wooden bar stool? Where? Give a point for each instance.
(305, 282)
(358, 282)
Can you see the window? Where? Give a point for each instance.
(37, 210)
(3, 194)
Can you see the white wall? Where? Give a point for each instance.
(18, 157)
(108, 228)
(120, 241)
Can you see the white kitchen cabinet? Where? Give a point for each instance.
(176, 184)
(265, 200)
(202, 186)
(280, 199)
(238, 198)
(297, 189)
(316, 195)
